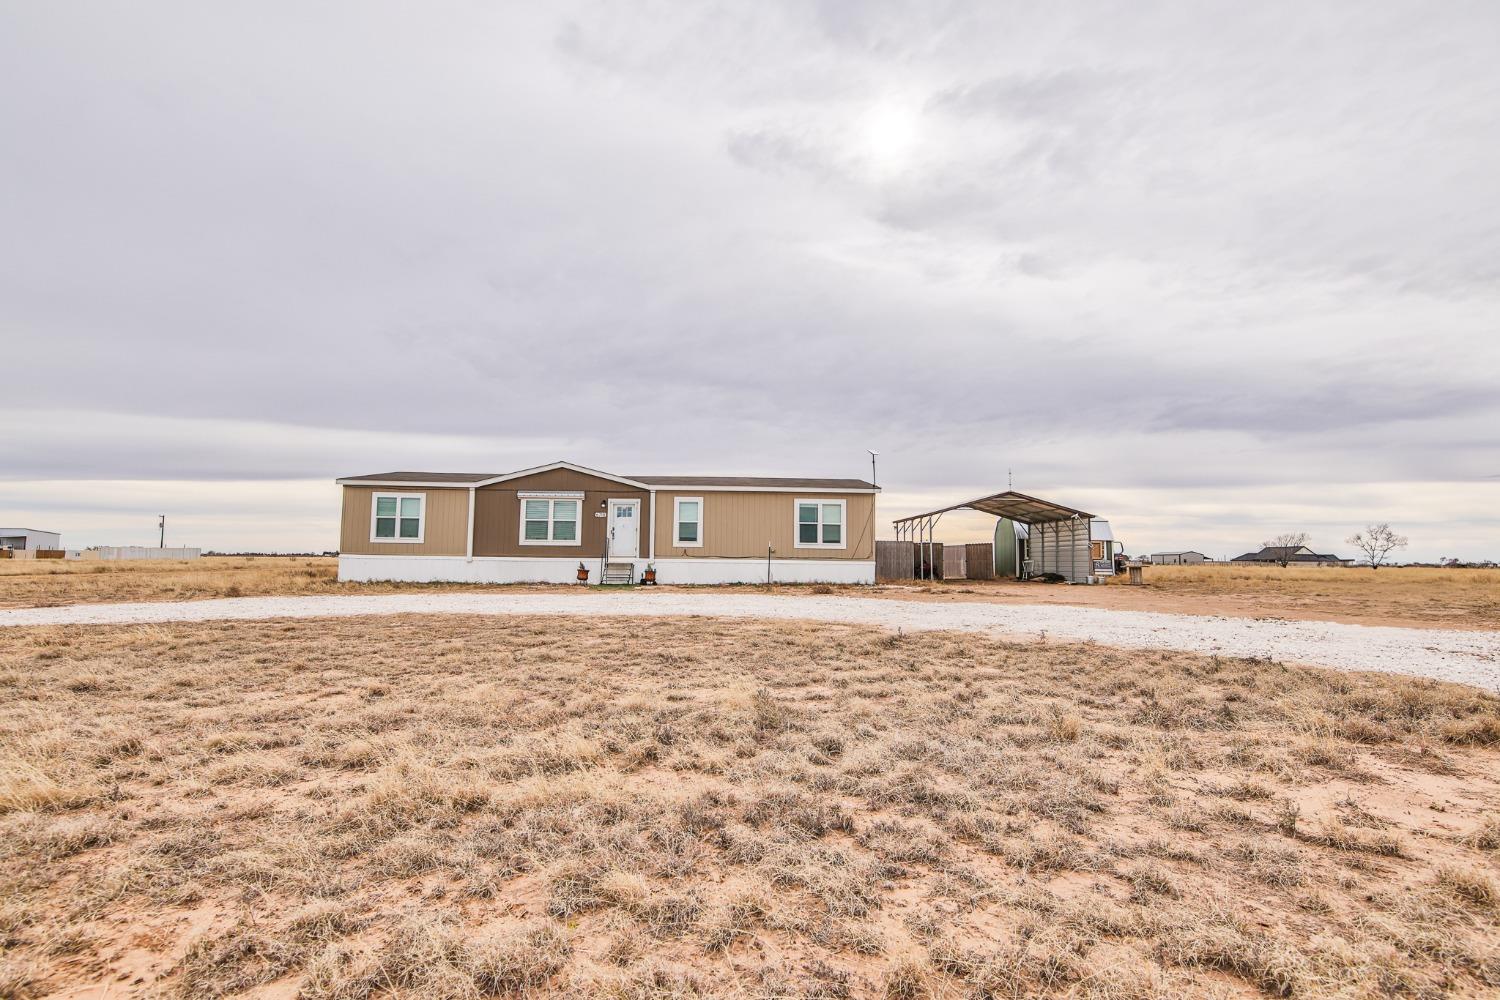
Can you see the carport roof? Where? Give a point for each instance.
(1016, 506)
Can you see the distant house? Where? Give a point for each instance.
(1300, 555)
(538, 525)
(29, 539)
(1188, 558)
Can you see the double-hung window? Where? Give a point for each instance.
(398, 517)
(687, 522)
(820, 524)
(550, 520)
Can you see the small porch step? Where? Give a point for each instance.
(619, 572)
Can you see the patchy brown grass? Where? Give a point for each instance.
(453, 808)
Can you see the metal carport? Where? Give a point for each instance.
(1058, 539)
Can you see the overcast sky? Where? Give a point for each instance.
(1213, 271)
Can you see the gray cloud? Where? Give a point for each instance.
(1138, 247)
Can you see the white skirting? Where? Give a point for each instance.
(457, 569)
(529, 569)
(754, 570)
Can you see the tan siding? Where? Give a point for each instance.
(497, 515)
(737, 525)
(445, 533)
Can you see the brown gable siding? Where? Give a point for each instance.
(497, 515)
(445, 533)
(738, 525)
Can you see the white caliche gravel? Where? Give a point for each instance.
(1466, 657)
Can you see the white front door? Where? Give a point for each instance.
(624, 529)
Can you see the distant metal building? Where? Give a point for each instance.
(29, 539)
(1188, 558)
(121, 552)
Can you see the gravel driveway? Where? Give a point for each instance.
(1467, 657)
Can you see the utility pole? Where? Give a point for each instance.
(162, 542)
(873, 480)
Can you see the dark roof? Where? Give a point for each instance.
(427, 477)
(765, 482)
(762, 482)
(1276, 553)
(1016, 506)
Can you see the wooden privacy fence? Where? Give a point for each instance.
(893, 561)
(907, 561)
(979, 561)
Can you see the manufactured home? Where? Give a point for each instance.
(540, 524)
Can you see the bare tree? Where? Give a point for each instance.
(1288, 542)
(1377, 541)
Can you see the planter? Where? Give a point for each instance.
(583, 574)
(650, 576)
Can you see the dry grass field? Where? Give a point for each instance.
(1416, 597)
(36, 583)
(1445, 597)
(1465, 599)
(456, 808)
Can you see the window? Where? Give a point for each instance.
(398, 517)
(550, 520)
(687, 522)
(820, 524)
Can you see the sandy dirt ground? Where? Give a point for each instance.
(1465, 657)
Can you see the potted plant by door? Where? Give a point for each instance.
(583, 573)
(650, 576)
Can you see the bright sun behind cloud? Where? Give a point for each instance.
(890, 132)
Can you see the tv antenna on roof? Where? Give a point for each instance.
(873, 480)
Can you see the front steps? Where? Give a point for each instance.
(619, 572)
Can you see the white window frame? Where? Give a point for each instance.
(677, 542)
(552, 499)
(797, 541)
(375, 499)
